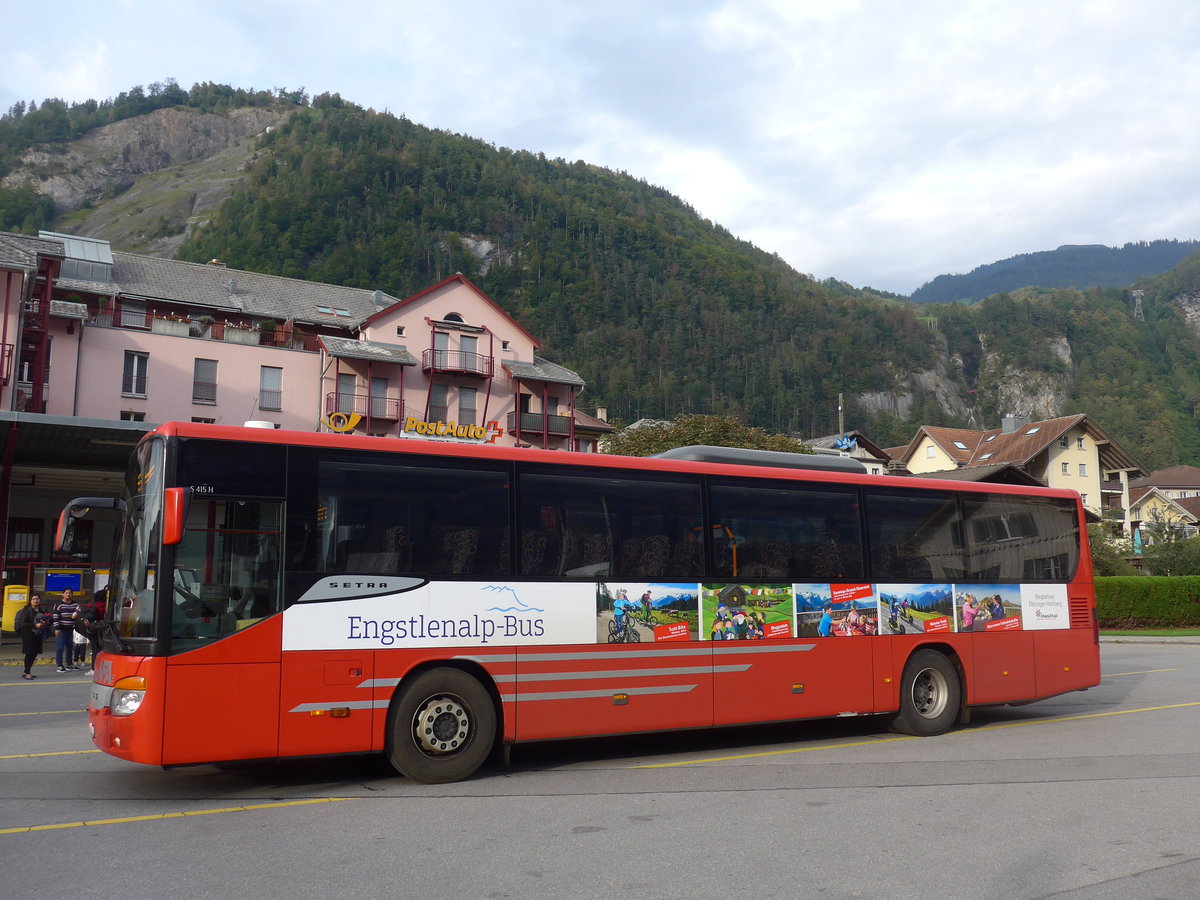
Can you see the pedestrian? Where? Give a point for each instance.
(30, 623)
(64, 631)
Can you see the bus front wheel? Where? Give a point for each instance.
(930, 695)
(441, 727)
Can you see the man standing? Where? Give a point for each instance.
(826, 624)
(64, 630)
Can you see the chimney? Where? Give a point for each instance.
(1011, 423)
(602, 413)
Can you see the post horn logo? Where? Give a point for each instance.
(342, 422)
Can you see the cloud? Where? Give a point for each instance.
(880, 144)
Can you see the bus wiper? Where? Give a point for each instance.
(110, 625)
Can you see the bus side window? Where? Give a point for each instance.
(914, 536)
(595, 523)
(778, 532)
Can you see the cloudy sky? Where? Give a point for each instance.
(880, 143)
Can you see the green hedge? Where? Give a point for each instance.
(1141, 601)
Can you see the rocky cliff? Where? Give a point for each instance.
(143, 183)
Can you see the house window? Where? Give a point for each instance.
(1078, 443)
(399, 331)
(24, 539)
(438, 404)
(133, 314)
(1064, 442)
(441, 349)
(379, 402)
(930, 451)
(203, 420)
(504, 345)
(1066, 468)
(204, 381)
(1083, 470)
(467, 398)
(469, 352)
(960, 445)
(1083, 499)
(133, 380)
(347, 383)
(270, 387)
(132, 415)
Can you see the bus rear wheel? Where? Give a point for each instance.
(441, 727)
(930, 695)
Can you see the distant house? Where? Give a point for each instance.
(1068, 452)
(1169, 495)
(856, 445)
(1151, 509)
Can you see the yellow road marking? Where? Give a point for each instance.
(873, 742)
(172, 815)
(46, 712)
(54, 753)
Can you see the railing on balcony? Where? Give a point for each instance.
(1110, 487)
(536, 423)
(272, 400)
(234, 333)
(456, 362)
(378, 408)
(204, 392)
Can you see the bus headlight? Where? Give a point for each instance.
(127, 695)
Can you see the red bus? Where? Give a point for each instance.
(282, 594)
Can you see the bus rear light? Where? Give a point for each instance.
(127, 695)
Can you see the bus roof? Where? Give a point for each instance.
(699, 458)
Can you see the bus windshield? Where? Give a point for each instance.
(131, 588)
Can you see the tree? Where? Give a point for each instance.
(1176, 557)
(1109, 554)
(648, 438)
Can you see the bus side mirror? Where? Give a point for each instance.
(64, 534)
(175, 512)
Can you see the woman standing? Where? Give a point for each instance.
(30, 623)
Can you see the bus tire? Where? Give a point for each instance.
(930, 695)
(441, 727)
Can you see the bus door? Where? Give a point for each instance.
(223, 668)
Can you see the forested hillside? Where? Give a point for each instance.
(663, 312)
(1080, 267)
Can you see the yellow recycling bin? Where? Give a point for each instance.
(15, 596)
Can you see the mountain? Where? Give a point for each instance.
(660, 310)
(1078, 266)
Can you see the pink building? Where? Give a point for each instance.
(126, 341)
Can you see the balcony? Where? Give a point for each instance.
(536, 423)
(204, 329)
(375, 408)
(456, 362)
(1110, 487)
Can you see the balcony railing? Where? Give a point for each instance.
(1110, 487)
(456, 362)
(536, 423)
(378, 408)
(233, 333)
(272, 400)
(204, 392)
